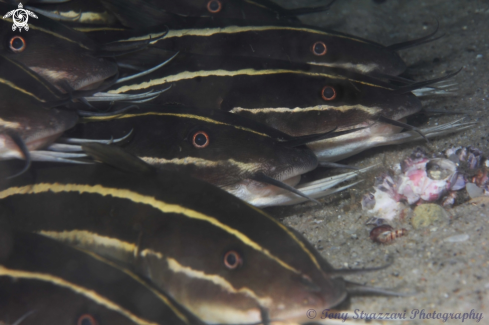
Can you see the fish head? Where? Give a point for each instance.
(231, 154)
(38, 127)
(340, 50)
(56, 55)
(317, 102)
(224, 279)
(245, 150)
(24, 112)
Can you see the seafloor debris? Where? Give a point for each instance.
(385, 234)
(421, 178)
(476, 167)
(426, 215)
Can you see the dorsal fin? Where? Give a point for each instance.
(117, 157)
(307, 10)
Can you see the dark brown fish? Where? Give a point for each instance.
(65, 57)
(27, 122)
(140, 14)
(53, 283)
(225, 261)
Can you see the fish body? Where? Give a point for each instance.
(280, 41)
(77, 12)
(295, 99)
(225, 261)
(36, 126)
(59, 54)
(224, 149)
(292, 43)
(140, 14)
(63, 285)
(25, 114)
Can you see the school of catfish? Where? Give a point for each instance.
(139, 140)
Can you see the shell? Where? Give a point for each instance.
(385, 234)
(421, 179)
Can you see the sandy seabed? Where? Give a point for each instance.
(449, 277)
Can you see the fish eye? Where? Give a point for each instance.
(214, 6)
(232, 260)
(17, 44)
(319, 48)
(200, 139)
(86, 319)
(328, 93)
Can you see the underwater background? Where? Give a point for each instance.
(440, 262)
(447, 263)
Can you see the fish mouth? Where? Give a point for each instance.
(37, 137)
(299, 162)
(9, 149)
(35, 134)
(296, 161)
(248, 189)
(317, 301)
(41, 142)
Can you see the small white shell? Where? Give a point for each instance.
(457, 238)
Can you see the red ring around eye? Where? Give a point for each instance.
(232, 260)
(214, 6)
(200, 139)
(17, 44)
(86, 319)
(328, 93)
(319, 48)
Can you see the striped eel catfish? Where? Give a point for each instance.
(76, 12)
(65, 57)
(148, 13)
(301, 44)
(27, 122)
(296, 99)
(59, 284)
(252, 161)
(227, 262)
(291, 43)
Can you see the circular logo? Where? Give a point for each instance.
(311, 314)
(20, 17)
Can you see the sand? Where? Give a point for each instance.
(448, 275)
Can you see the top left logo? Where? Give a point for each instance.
(20, 17)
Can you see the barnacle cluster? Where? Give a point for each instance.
(422, 178)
